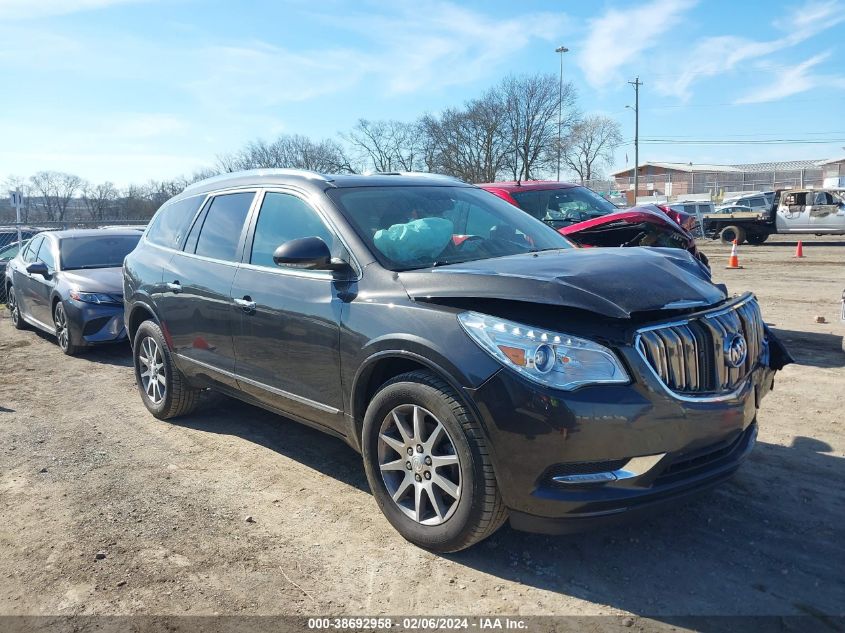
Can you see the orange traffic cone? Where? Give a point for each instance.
(799, 250)
(733, 260)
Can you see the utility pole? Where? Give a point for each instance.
(636, 83)
(561, 50)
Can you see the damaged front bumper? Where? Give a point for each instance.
(568, 461)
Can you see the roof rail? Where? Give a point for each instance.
(270, 171)
(416, 174)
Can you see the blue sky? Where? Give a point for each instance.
(128, 90)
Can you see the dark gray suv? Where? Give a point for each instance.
(484, 367)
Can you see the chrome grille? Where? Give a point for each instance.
(689, 356)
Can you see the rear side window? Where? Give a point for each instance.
(172, 221)
(282, 218)
(222, 226)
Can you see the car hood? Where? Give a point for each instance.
(634, 215)
(108, 280)
(614, 282)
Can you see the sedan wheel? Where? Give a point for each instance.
(14, 309)
(63, 331)
(419, 465)
(153, 377)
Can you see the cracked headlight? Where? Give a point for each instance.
(553, 359)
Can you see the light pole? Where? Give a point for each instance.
(561, 50)
(636, 83)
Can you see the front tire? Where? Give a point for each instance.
(15, 309)
(63, 335)
(164, 389)
(428, 464)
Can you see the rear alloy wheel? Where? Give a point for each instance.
(428, 464)
(164, 390)
(14, 309)
(63, 331)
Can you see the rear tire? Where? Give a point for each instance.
(756, 238)
(14, 309)
(164, 389)
(731, 233)
(448, 499)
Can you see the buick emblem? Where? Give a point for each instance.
(736, 349)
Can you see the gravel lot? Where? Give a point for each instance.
(105, 510)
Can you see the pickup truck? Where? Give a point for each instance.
(799, 211)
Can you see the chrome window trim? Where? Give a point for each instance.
(327, 221)
(279, 392)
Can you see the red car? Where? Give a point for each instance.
(587, 219)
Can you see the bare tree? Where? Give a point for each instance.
(467, 143)
(387, 145)
(99, 200)
(531, 106)
(294, 151)
(590, 144)
(56, 190)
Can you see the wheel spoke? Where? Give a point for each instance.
(436, 502)
(400, 426)
(418, 502)
(434, 438)
(445, 485)
(418, 423)
(399, 464)
(403, 486)
(393, 443)
(444, 460)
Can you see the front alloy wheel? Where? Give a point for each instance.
(428, 464)
(419, 464)
(62, 330)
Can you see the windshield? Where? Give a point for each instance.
(562, 207)
(409, 227)
(96, 251)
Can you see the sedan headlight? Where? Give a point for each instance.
(553, 359)
(94, 297)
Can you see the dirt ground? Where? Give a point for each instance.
(106, 510)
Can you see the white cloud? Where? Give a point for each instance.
(795, 80)
(618, 38)
(713, 56)
(433, 44)
(37, 9)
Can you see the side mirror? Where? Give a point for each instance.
(307, 253)
(38, 268)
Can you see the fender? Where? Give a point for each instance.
(434, 361)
